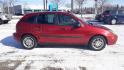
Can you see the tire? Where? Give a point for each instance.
(97, 43)
(29, 42)
(6, 22)
(113, 21)
(1, 21)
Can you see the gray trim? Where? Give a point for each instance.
(60, 36)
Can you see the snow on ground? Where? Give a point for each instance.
(12, 57)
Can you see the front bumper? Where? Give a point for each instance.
(16, 36)
(112, 39)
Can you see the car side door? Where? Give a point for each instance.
(70, 29)
(59, 29)
(50, 32)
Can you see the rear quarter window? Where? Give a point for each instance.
(31, 19)
(46, 19)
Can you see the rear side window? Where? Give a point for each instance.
(31, 19)
(41, 19)
(46, 19)
(50, 18)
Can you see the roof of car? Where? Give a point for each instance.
(49, 12)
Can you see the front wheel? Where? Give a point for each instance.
(97, 43)
(5, 22)
(29, 42)
(1, 21)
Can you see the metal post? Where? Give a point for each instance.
(44, 4)
(96, 9)
(72, 5)
(8, 6)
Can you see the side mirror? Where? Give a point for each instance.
(76, 26)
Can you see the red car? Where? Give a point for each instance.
(61, 28)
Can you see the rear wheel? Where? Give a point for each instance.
(97, 43)
(5, 22)
(29, 42)
(113, 21)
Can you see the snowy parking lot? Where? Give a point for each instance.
(13, 57)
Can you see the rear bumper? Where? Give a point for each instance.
(112, 39)
(16, 36)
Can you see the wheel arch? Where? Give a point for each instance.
(34, 38)
(99, 35)
(28, 34)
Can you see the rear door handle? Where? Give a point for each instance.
(37, 28)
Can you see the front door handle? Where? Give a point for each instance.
(63, 29)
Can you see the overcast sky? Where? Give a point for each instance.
(89, 3)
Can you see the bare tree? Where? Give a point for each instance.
(11, 3)
(58, 2)
(80, 4)
(7, 4)
(1, 1)
(101, 4)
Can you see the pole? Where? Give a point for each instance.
(96, 9)
(72, 5)
(8, 6)
(44, 4)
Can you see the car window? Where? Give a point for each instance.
(50, 18)
(41, 19)
(66, 20)
(31, 19)
(113, 12)
(46, 19)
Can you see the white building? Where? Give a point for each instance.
(24, 9)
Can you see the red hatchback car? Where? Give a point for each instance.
(61, 28)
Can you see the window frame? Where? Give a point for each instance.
(46, 20)
(34, 21)
(61, 24)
